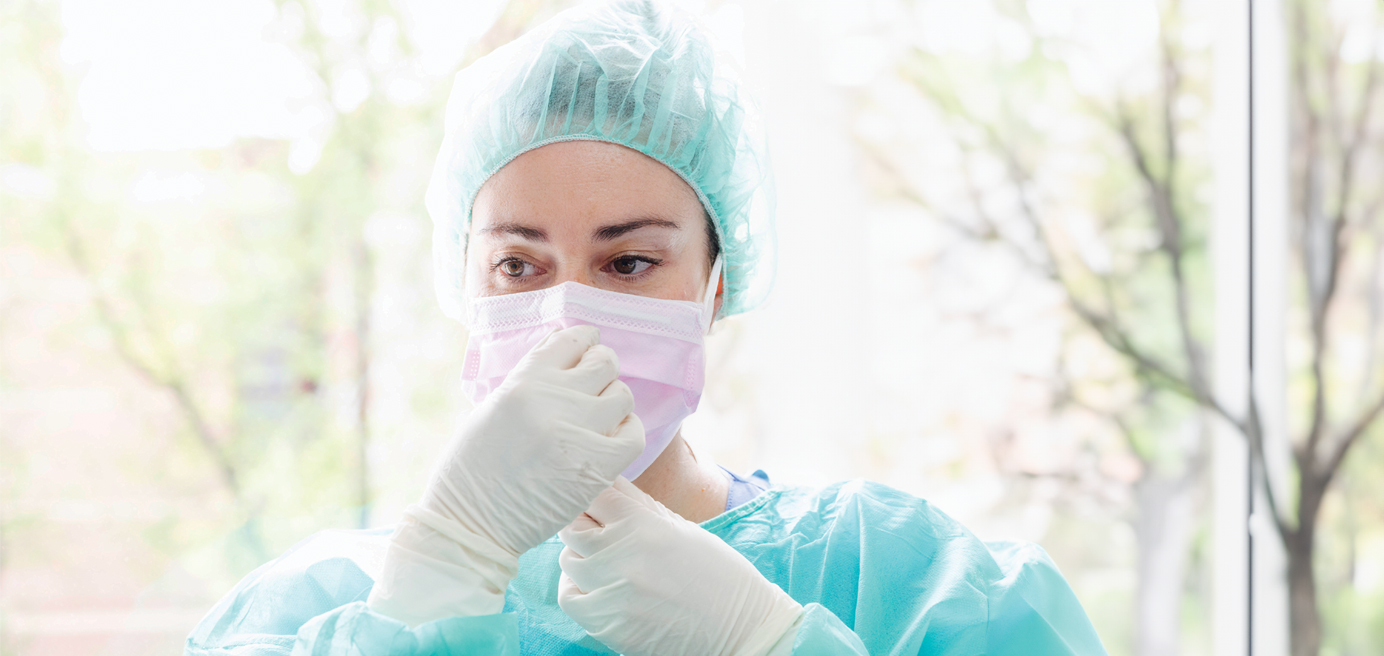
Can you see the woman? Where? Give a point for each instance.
(599, 199)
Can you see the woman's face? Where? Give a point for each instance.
(589, 212)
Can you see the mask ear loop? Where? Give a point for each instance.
(709, 299)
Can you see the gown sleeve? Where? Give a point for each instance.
(882, 572)
(1031, 612)
(311, 600)
(822, 634)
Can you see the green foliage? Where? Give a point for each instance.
(231, 301)
(1100, 191)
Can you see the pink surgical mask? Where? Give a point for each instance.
(659, 343)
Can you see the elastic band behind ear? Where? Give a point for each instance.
(709, 298)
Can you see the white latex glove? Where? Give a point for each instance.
(525, 463)
(435, 568)
(643, 580)
(535, 454)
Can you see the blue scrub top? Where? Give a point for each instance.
(877, 570)
(744, 490)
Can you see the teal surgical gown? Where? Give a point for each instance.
(878, 571)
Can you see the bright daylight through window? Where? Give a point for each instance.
(692, 326)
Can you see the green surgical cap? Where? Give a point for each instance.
(636, 73)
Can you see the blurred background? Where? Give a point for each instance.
(1011, 281)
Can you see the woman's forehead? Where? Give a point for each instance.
(584, 182)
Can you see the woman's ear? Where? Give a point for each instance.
(720, 297)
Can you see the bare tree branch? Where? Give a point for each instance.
(1113, 334)
(1351, 139)
(1172, 83)
(173, 384)
(1375, 310)
(1172, 244)
(1328, 259)
(1104, 322)
(1356, 141)
(1320, 282)
(1351, 436)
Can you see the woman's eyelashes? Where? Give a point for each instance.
(632, 266)
(513, 267)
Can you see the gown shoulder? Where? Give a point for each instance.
(908, 578)
(324, 571)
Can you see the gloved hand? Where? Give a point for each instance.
(643, 580)
(525, 463)
(532, 457)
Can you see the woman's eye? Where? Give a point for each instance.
(515, 268)
(629, 266)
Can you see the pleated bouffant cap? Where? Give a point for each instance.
(638, 73)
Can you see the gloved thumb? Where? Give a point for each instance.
(611, 516)
(638, 496)
(561, 349)
(584, 607)
(582, 535)
(620, 501)
(596, 528)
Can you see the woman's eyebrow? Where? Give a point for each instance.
(516, 229)
(610, 232)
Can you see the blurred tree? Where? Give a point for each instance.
(251, 307)
(231, 311)
(51, 146)
(1124, 239)
(1138, 278)
(1339, 238)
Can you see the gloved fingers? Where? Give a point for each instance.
(619, 393)
(561, 349)
(567, 589)
(579, 604)
(595, 371)
(586, 574)
(605, 413)
(628, 439)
